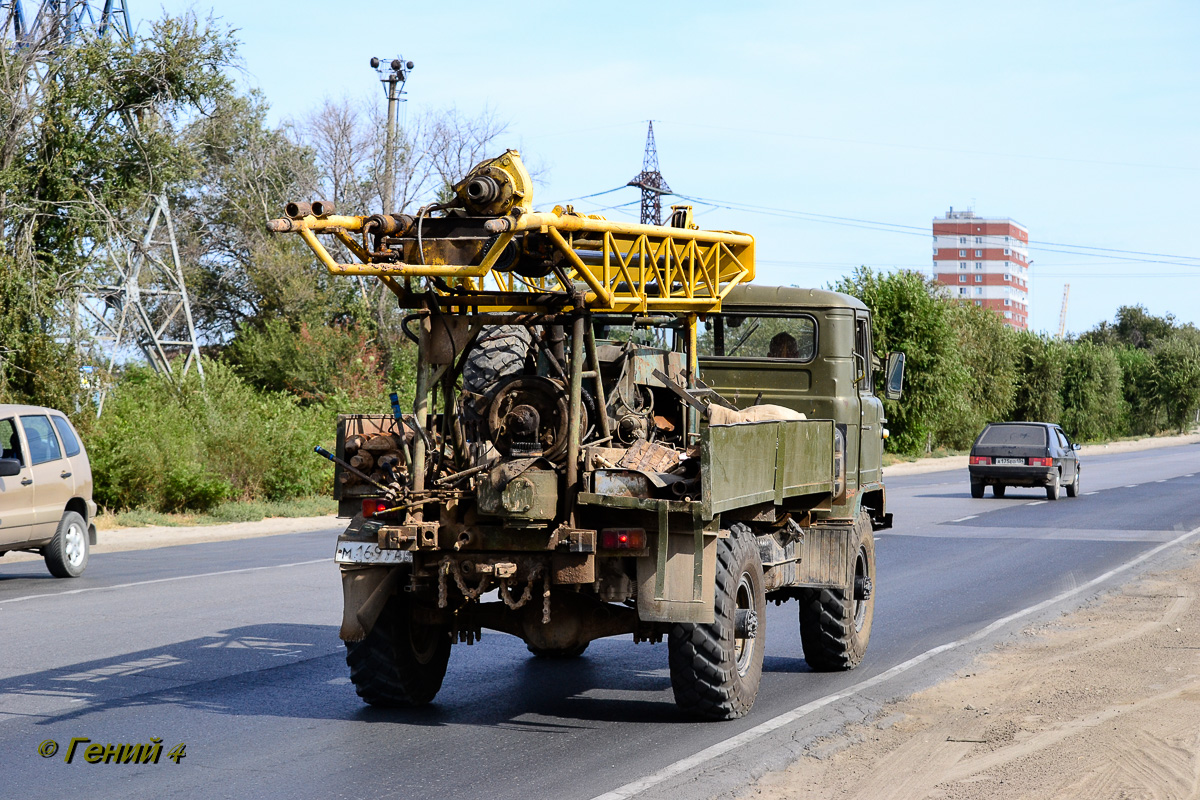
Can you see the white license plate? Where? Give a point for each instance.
(369, 553)
(1010, 461)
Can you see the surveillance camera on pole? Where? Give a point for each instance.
(393, 79)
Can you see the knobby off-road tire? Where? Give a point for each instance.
(1073, 486)
(499, 353)
(67, 554)
(558, 652)
(835, 624)
(976, 489)
(998, 489)
(1052, 491)
(400, 664)
(714, 672)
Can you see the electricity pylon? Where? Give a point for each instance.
(651, 182)
(139, 301)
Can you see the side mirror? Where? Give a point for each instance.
(1076, 445)
(893, 384)
(9, 467)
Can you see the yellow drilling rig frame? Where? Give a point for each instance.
(487, 250)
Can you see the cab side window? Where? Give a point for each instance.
(70, 443)
(43, 444)
(10, 443)
(862, 353)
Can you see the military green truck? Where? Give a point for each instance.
(614, 433)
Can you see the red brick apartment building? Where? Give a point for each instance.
(985, 261)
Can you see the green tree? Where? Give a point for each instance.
(1175, 380)
(910, 314)
(1092, 401)
(90, 131)
(987, 350)
(1040, 362)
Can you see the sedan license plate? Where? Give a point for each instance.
(369, 553)
(1010, 461)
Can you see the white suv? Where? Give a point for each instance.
(45, 489)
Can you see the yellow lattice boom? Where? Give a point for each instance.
(527, 261)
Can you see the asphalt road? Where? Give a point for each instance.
(231, 648)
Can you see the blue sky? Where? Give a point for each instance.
(1080, 120)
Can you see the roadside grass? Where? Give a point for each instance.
(237, 511)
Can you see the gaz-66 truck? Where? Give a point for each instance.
(614, 432)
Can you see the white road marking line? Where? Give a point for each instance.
(1190, 475)
(1162, 481)
(164, 580)
(1037, 502)
(775, 723)
(1131, 486)
(964, 519)
(1085, 494)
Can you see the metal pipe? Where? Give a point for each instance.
(693, 420)
(297, 210)
(420, 411)
(575, 403)
(601, 402)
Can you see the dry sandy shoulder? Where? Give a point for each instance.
(1103, 702)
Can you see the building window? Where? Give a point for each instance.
(978, 302)
(1007, 251)
(962, 253)
(978, 290)
(978, 265)
(978, 240)
(978, 278)
(978, 253)
(962, 240)
(962, 278)
(1007, 302)
(935, 251)
(1006, 265)
(962, 265)
(1006, 240)
(962, 290)
(1008, 315)
(1007, 277)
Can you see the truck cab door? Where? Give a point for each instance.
(16, 491)
(870, 429)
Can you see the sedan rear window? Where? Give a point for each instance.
(1034, 435)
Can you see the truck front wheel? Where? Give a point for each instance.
(716, 667)
(835, 624)
(400, 664)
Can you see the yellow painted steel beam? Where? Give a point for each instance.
(616, 266)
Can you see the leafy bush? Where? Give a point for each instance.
(313, 362)
(187, 446)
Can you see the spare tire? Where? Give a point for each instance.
(499, 353)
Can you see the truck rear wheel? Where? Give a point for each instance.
(400, 664)
(716, 667)
(835, 624)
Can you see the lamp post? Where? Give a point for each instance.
(393, 78)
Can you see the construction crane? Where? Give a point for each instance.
(1062, 314)
(651, 182)
(138, 300)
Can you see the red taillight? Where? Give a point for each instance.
(622, 539)
(980, 461)
(373, 505)
(1041, 462)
